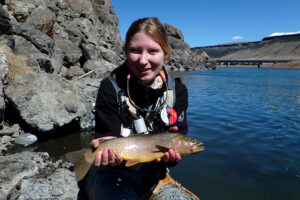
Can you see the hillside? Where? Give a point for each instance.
(279, 47)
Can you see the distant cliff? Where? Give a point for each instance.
(277, 47)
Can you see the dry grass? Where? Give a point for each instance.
(17, 65)
(48, 29)
(294, 64)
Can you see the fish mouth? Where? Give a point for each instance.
(197, 147)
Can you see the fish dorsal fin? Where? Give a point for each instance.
(162, 148)
(130, 163)
(103, 139)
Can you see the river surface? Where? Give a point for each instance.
(249, 122)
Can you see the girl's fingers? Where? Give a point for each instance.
(104, 157)
(171, 155)
(111, 158)
(98, 159)
(95, 143)
(177, 156)
(166, 157)
(119, 159)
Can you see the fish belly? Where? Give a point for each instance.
(141, 156)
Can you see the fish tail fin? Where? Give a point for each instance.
(74, 156)
(82, 160)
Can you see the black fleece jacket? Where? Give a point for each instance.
(108, 120)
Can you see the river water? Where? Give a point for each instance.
(249, 121)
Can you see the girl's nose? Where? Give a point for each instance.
(143, 59)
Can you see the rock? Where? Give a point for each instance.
(182, 58)
(36, 60)
(3, 73)
(89, 90)
(57, 60)
(3, 65)
(17, 65)
(5, 141)
(81, 6)
(20, 9)
(26, 139)
(45, 101)
(42, 18)
(5, 26)
(173, 32)
(59, 185)
(70, 50)
(100, 67)
(75, 72)
(10, 130)
(41, 41)
(7, 138)
(32, 175)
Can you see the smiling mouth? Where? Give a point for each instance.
(144, 70)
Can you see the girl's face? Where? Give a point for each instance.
(145, 57)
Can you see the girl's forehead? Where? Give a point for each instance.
(143, 39)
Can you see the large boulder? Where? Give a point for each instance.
(30, 175)
(45, 101)
(60, 29)
(35, 60)
(182, 58)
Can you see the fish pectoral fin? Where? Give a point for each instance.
(162, 148)
(130, 163)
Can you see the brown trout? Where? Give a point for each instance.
(135, 149)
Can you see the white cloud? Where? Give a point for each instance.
(284, 33)
(237, 37)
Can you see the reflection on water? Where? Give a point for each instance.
(58, 147)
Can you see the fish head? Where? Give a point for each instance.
(187, 145)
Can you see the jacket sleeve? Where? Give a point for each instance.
(108, 122)
(181, 106)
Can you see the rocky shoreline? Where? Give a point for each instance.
(53, 56)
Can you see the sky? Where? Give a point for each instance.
(213, 22)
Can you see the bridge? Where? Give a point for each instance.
(248, 62)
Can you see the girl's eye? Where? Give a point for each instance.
(133, 50)
(153, 51)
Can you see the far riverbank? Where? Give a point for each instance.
(293, 65)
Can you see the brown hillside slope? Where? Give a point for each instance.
(281, 47)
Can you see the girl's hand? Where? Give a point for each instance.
(171, 155)
(173, 129)
(107, 155)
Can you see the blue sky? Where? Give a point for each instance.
(213, 22)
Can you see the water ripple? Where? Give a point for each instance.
(248, 119)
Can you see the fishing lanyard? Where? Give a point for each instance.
(149, 109)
